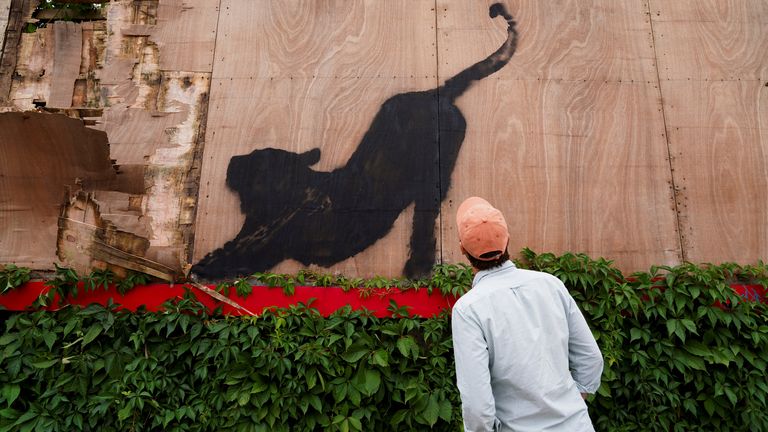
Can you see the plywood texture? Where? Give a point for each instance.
(130, 77)
(568, 140)
(153, 114)
(303, 75)
(185, 34)
(68, 43)
(43, 157)
(714, 77)
(5, 10)
(628, 129)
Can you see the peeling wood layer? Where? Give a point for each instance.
(43, 156)
(5, 9)
(19, 12)
(108, 74)
(87, 241)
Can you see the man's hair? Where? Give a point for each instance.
(487, 265)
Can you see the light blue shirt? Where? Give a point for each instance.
(524, 354)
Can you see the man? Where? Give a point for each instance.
(525, 357)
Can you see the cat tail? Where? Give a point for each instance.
(457, 85)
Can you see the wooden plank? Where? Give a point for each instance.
(713, 72)
(67, 53)
(568, 138)
(310, 75)
(185, 33)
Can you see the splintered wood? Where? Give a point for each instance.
(152, 116)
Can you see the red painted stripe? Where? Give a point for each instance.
(326, 299)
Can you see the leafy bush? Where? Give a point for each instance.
(683, 352)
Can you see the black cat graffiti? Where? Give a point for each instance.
(315, 217)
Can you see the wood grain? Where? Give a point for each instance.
(68, 43)
(721, 167)
(714, 41)
(5, 10)
(568, 139)
(185, 33)
(43, 155)
(713, 71)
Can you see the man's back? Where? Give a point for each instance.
(523, 353)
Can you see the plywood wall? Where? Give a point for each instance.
(713, 72)
(628, 129)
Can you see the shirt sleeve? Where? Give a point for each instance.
(584, 357)
(473, 376)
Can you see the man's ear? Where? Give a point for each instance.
(463, 251)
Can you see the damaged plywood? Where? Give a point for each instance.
(17, 14)
(87, 241)
(115, 76)
(5, 10)
(43, 156)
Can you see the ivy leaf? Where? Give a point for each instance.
(49, 338)
(446, 410)
(9, 413)
(355, 352)
(408, 347)
(381, 358)
(431, 411)
(368, 381)
(124, 413)
(91, 334)
(10, 393)
(689, 325)
(45, 364)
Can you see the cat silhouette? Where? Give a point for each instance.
(406, 157)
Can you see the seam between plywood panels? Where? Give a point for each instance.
(676, 193)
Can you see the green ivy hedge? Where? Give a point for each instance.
(683, 352)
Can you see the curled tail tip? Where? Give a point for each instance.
(498, 9)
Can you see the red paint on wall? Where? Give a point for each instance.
(325, 299)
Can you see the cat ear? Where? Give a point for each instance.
(310, 157)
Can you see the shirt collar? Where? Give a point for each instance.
(484, 273)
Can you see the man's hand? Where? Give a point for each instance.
(584, 396)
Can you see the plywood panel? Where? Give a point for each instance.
(720, 160)
(711, 40)
(315, 75)
(568, 139)
(185, 33)
(713, 68)
(326, 38)
(568, 40)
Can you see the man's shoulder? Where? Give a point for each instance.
(511, 277)
(525, 275)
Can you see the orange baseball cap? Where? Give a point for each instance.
(482, 229)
